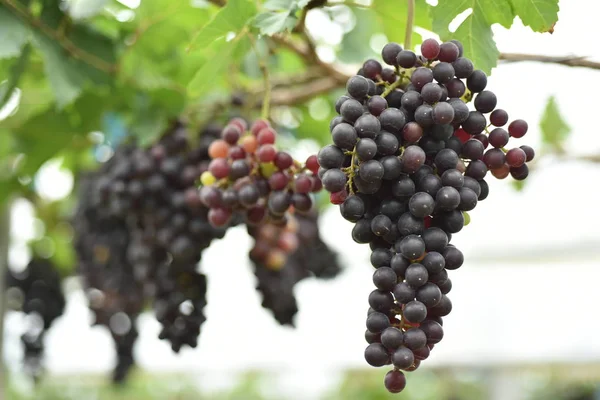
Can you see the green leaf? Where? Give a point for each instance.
(281, 16)
(555, 129)
(215, 66)
(231, 18)
(13, 32)
(81, 9)
(65, 77)
(540, 15)
(475, 31)
(274, 22)
(392, 15)
(354, 48)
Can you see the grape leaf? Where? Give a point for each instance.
(280, 17)
(354, 48)
(13, 32)
(64, 75)
(232, 18)
(214, 66)
(555, 129)
(392, 15)
(81, 9)
(475, 31)
(540, 15)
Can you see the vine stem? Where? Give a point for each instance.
(410, 19)
(262, 64)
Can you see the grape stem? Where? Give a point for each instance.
(410, 18)
(264, 68)
(350, 170)
(392, 87)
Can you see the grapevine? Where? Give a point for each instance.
(408, 162)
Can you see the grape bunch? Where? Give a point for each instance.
(248, 176)
(141, 226)
(37, 292)
(279, 266)
(408, 162)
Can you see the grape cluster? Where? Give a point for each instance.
(140, 231)
(142, 224)
(248, 176)
(37, 292)
(279, 266)
(408, 161)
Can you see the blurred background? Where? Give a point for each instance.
(523, 324)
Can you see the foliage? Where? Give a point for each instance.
(78, 66)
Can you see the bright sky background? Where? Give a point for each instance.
(504, 311)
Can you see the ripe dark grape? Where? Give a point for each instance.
(475, 123)
(463, 67)
(406, 59)
(330, 156)
(415, 311)
(448, 52)
(443, 113)
(443, 72)
(385, 278)
(390, 52)
(357, 87)
(368, 126)
(477, 81)
(371, 171)
(456, 88)
(485, 101)
(429, 295)
(376, 355)
(420, 77)
(392, 120)
(430, 48)
(518, 128)
(395, 381)
(376, 105)
(499, 117)
(403, 358)
(351, 110)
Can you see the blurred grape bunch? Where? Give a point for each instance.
(35, 291)
(140, 230)
(283, 255)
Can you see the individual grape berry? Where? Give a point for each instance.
(376, 355)
(415, 338)
(412, 132)
(377, 322)
(368, 126)
(424, 115)
(415, 311)
(446, 159)
(416, 275)
(403, 358)
(231, 134)
(443, 72)
(485, 101)
(475, 123)
(371, 171)
(266, 136)
(392, 338)
(494, 158)
(381, 257)
(461, 111)
(429, 295)
(468, 199)
(358, 87)
(448, 52)
(477, 81)
(376, 105)
(248, 195)
(344, 136)
(420, 77)
(380, 300)
(435, 239)
(411, 100)
(456, 88)
(433, 331)
(266, 153)
(453, 258)
(406, 59)
(434, 262)
(387, 144)
(338, 198)
(249, 144)
(390, 52)
(453, 177)
(392, 120)
(519, 173)
(392, 167)
(430, 184)
(394, 381)
(447, 198)
(485, 190)
(283, 160)
(529, 152)
(430, 48)
(517, 128)
(389, 75)
(421, 204)
(403, 292)
(442, 309)
(366, 149)
(381, 225)
(351, 110)
(498, 138)
(413, 158)
(218, 149)
(219, 216)
(385, 278)
(279, 202)
(372, 68)
(499, 117)
(481, 137)
(501, 172)
(330, 156)
(443, 113)
(463, 67)
(333, 180)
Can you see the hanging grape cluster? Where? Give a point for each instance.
(408, 162)
(37, 292)
(142, 224)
